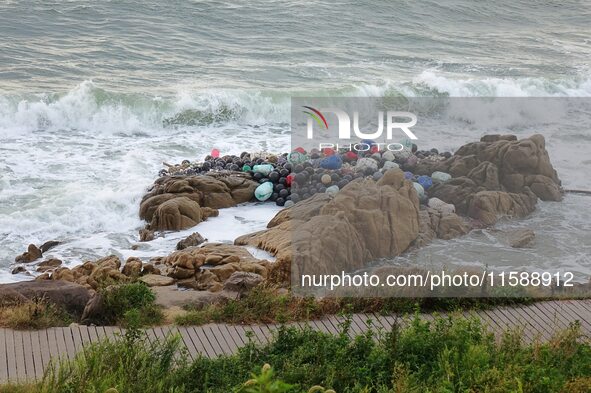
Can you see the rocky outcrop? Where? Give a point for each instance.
(33, 253)
(72, 297)
(522, 238)
(439, 224)
(366, 220)
(208, 267)
(192, 240)
(497, 176)
(180, 202)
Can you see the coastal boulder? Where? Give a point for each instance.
(488, 206)
(176, 214)
(72, 297)
(33, 253)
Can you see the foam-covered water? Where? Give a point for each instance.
(95, 96)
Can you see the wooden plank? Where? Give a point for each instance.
(188, 341)
(11, 357)
(151, 336)
(37, 357)
(44, 348)
(328, 322)
(516, 322)
(84, 332)
(197, 342)
(69, 340)
(210, 351)
(109, 333)
(19, 355)
(358, 320)
(28, 353)
(555, 315)
(259, 333)
(77, 336)
(3, 356)
(570, 315)
(220, 337)
(93, 336)
(227, 335)
(584, 314)
(235, 335)
(540, 319)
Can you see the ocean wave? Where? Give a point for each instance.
(89, 108)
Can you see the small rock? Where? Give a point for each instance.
(153, 280)
(48, 245)
(132, 267)
(440, 206)
(146, 235)
(522, 238)
(135, 247)
(213, 259)
(150, 269)
(242, 282)
(194, 239)
(19, 269)
(48, 265)
(32, 254)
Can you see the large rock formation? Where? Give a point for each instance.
(497, 176)
(366, 220)
(72, 297)
(180, 202)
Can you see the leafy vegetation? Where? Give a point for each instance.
(130, 304)
(447, 355)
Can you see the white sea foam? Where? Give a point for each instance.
(74, 166)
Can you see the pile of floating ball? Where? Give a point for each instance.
(291, 177)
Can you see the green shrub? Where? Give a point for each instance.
(126, 301)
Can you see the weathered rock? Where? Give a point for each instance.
(439, 205)
(372, 219)
(132, 267)
(33, 253)
(242, 282)
(522, 238)
(153, 280)
(72, 297)
(146, 235)
(457, 191)
(364, 164)
(488, 206)
(48, 245)
(451, 226)
(63, 274)
(486, 175)
(192, 240)
(181, 273)
(148, 268)
(176, 214)
(19, 269)
(521, 163)
(208, 191)
(439, 224)
(48, 264)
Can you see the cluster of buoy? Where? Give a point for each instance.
(291, 177)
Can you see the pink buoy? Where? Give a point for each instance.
(215, 153)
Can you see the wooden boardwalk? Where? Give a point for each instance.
(24, 355)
